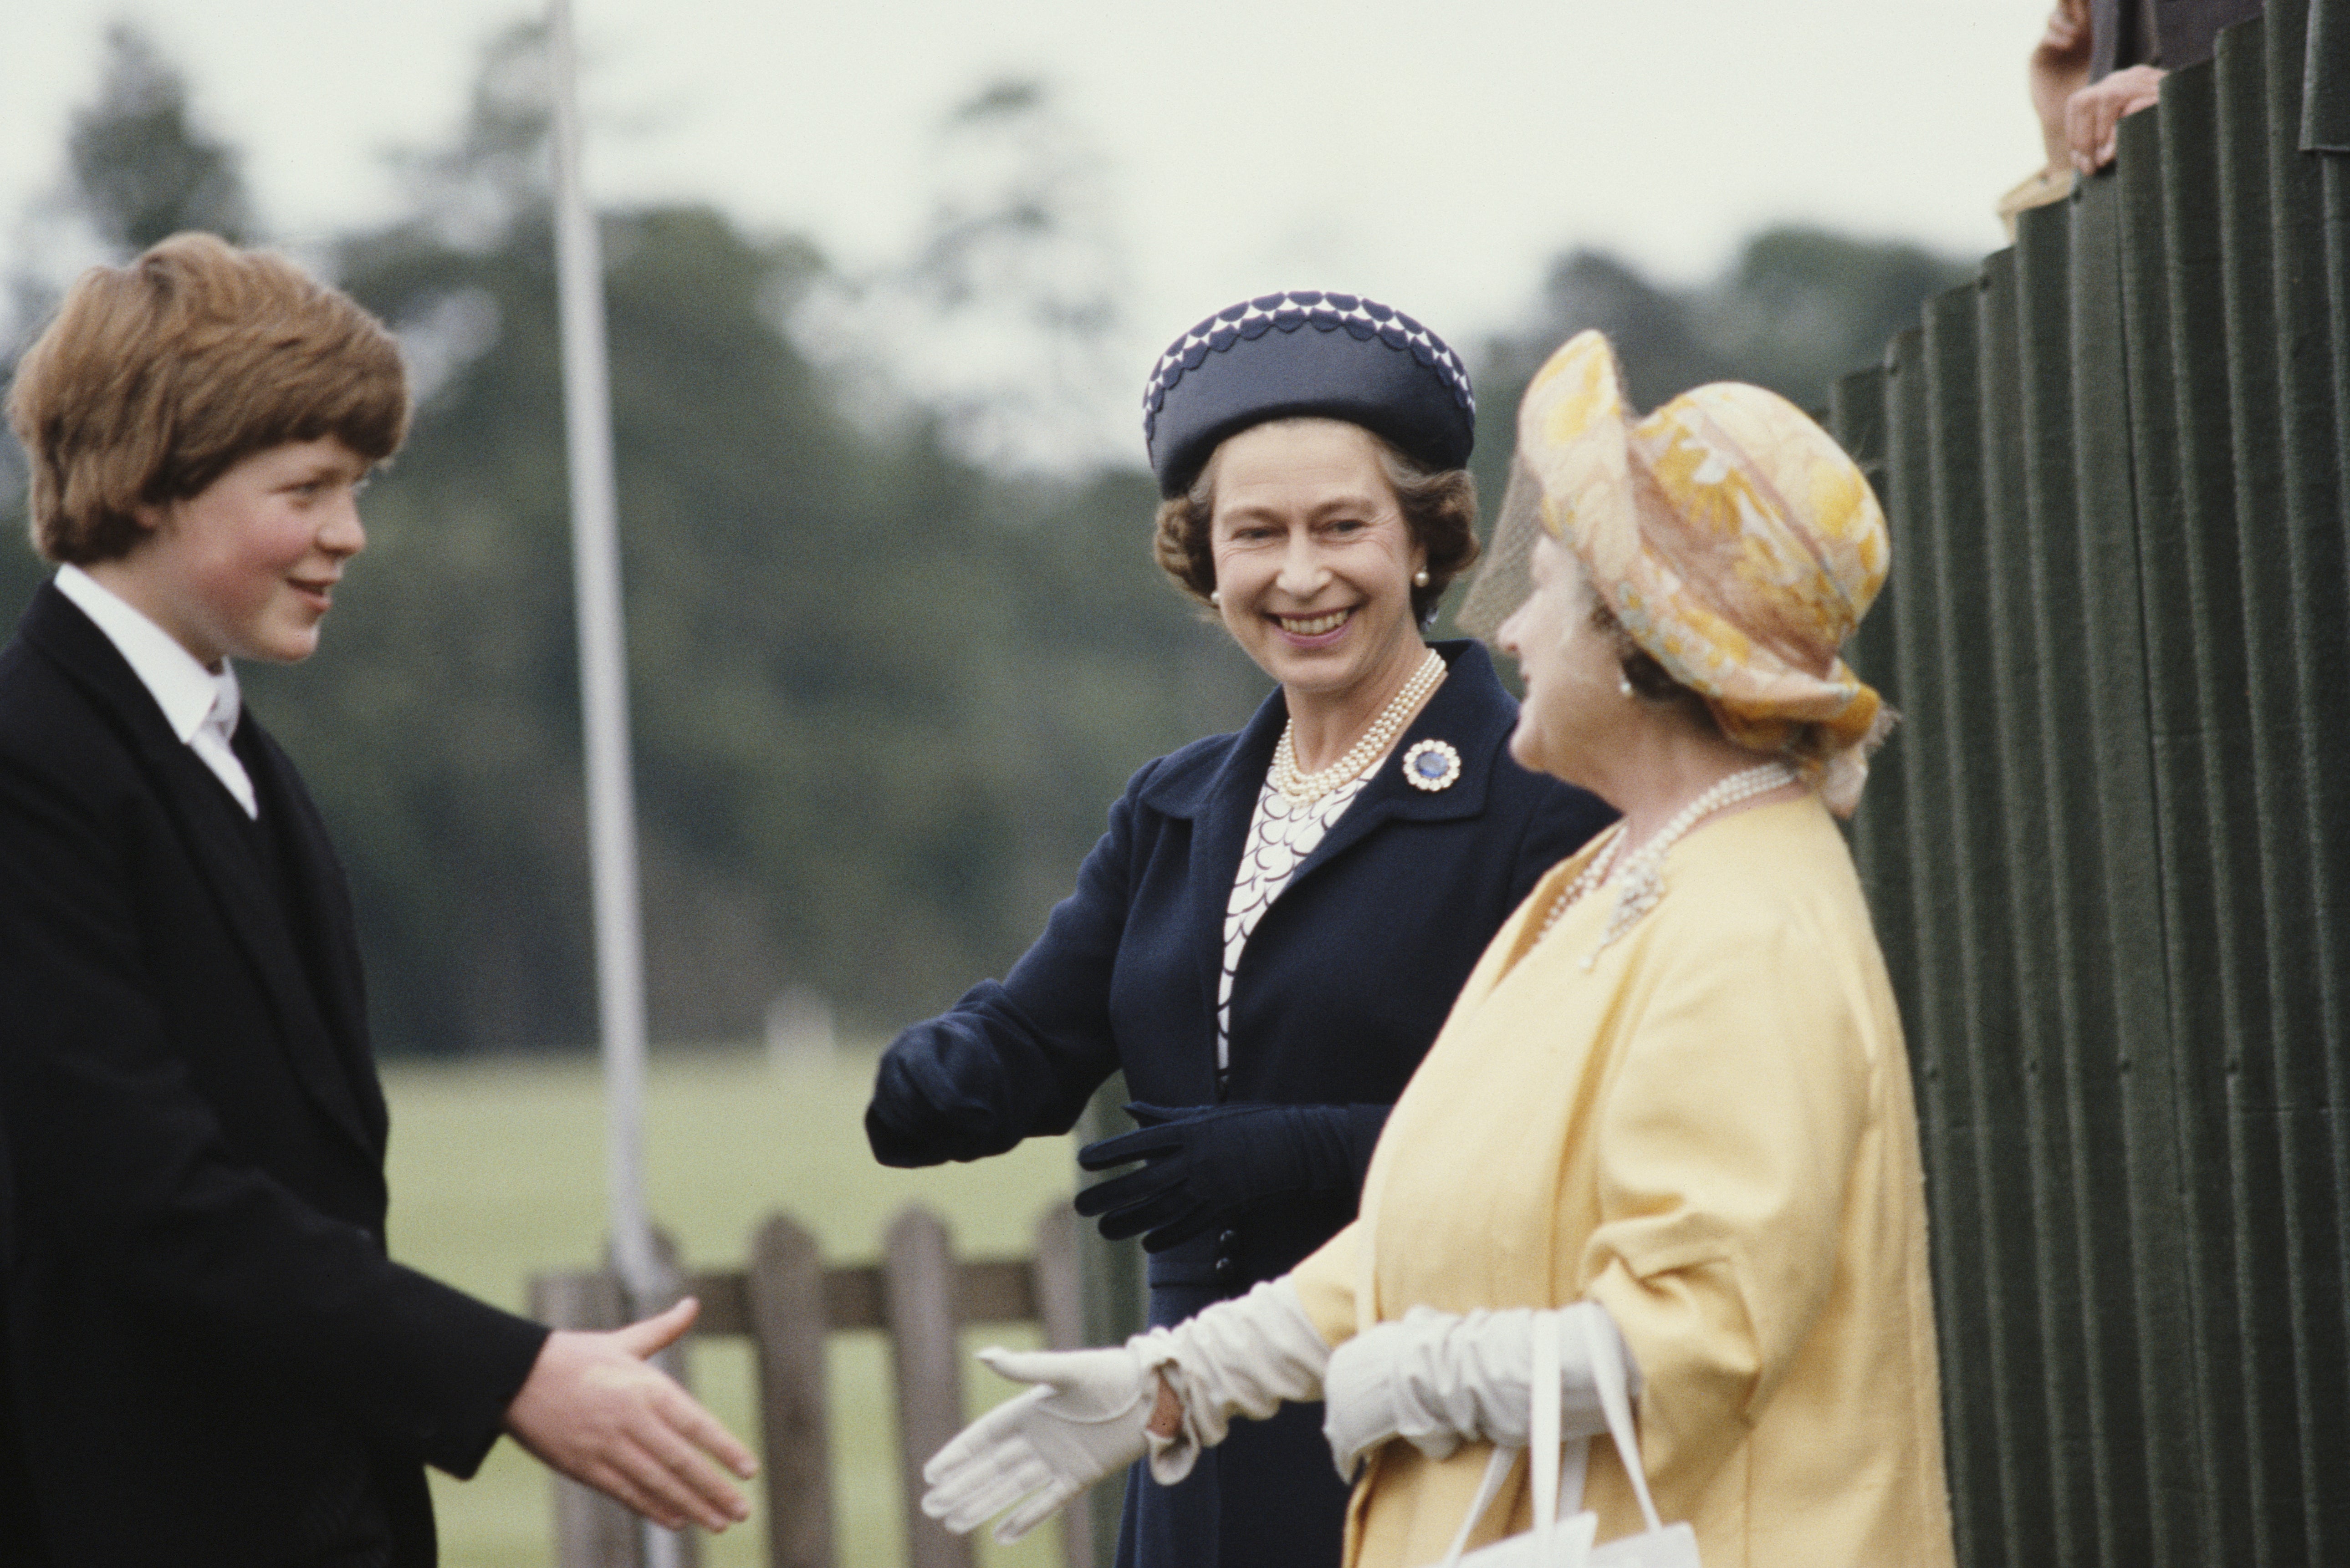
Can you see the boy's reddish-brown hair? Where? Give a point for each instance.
(157, 376)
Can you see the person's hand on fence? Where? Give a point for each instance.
(2092, 115)
(1085, 1418)
(1200, 1165)
(2059, 69)
(595, 1410)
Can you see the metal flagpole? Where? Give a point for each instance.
(604, 703)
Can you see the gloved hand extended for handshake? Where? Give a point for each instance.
(1089, 1411)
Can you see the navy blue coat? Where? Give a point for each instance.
(1340, 992)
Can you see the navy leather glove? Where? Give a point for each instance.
(1203, 1163)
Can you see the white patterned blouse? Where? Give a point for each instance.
(1282, 833)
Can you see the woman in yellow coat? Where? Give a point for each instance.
(1672, 1101)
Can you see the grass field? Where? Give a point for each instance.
(497, 1173)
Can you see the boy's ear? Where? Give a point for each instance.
(150, 517)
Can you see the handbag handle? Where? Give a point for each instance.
(1497, 1470)
(1546, 1458)
(1607, 1375)
(1543, 1449)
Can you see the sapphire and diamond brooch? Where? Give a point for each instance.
(1431, 766)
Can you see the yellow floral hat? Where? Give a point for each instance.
(1735, 541)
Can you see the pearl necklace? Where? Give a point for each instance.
(1640, 883)
(1363, 753)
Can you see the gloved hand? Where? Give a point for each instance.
(1238, 1358)
(970, 1083)
(1202, 1164)
(1088, 1414)
(1083, 1420)
(1438, 1379)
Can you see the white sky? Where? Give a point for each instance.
(1434, 156)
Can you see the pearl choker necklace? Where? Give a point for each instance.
(1363, 753)
(1640, 883)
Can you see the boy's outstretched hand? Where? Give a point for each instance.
(594, 1411)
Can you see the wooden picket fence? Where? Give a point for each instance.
(786, 1301)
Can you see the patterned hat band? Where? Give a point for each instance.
(1309, 353)
(1708, 567)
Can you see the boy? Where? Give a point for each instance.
(205, 1356)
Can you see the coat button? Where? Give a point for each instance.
(1225, 1268)
(1225, 1242)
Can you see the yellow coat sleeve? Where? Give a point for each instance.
(1723, 1146)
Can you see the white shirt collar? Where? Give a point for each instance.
(183, 689)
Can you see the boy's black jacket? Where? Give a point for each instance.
(203, 1346)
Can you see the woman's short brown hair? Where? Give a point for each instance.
(1440, 507)
(156, 378)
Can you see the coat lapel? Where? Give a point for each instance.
(1470, 709)
(325, 914)
(1217, 795)
(206, 817)
(1462, 713)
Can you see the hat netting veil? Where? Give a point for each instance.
(1732, 539)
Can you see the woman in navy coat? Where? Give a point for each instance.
(1272, 928)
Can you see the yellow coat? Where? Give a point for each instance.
(1711, 1131)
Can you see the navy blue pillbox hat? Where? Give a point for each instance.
(1338, 355)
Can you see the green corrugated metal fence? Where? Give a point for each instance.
(2109, 850)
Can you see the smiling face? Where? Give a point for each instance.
(246, 567)
(1574, 704)
(1314, 559)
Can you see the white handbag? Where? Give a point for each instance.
(1552, 1543)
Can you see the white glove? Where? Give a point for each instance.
(1437, 1379)
(1237, 1357)
(1086, 1417)
(1083, 1420)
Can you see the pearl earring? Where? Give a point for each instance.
(1419, 578)
(1216, 597)
(1624, 685)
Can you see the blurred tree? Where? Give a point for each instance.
(1798, 307)
(1000, 321)
(882, 699)
(1803, 305)
(883, 692)
(140, 167)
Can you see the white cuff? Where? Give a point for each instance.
(1236, 1357)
